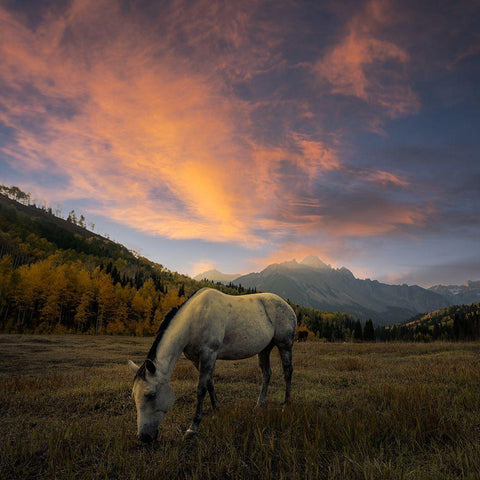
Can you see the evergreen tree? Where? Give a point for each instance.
(72, 217)
(357, 332)
(369, 331)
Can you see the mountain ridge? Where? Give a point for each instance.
(313, 283)
(468, 292)
(216, 276)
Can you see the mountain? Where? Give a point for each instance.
(467, 293)
(216, 276)
(315, 284)
(315, 262)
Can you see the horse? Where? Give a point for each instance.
(302, 336)
(211, 326)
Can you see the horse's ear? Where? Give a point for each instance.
(133, 367)
(150, 366)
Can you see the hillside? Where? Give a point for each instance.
(315, 284)
(58, 276)
(29, 233)
(456, 322)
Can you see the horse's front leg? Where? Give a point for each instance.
(210, 387)
(205, 382)
(213, 397)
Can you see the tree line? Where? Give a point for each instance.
(57, 278)
(68, 296)
(61, 295)
(454, 323)
(334, 326)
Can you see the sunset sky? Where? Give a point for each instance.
(234, 134)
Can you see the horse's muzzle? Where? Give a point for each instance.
(146, 438)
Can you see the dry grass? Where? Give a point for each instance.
(378, 411)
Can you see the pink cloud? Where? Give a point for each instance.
(364, 65)
(385, 179)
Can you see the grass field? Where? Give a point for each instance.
(360, 411)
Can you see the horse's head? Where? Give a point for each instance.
(153, 397)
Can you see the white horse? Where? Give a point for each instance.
(209, 326)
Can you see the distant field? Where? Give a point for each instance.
(360, 411)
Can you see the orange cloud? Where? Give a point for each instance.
(138, 123)
(142, 120)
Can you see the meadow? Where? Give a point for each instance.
(359, 411)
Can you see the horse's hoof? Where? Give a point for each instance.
(189, 434)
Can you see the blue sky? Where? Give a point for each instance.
(236, 134)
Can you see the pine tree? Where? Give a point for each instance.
(369, 331)
(72, 217)
(357, 333)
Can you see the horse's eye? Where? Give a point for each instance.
(150, 396)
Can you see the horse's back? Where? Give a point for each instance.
(240, 326)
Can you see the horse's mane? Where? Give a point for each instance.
(167, 319)
(152, 353)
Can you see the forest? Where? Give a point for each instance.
(70, 293)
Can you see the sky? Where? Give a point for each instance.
(231, 135)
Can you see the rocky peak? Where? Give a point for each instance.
(314, 262)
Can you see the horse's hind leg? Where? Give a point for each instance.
(264, 362)
(286, 356)
(206, 366)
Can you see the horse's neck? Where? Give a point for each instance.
(171, 346)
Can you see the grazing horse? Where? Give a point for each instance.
(209, 326)
(302, 336)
